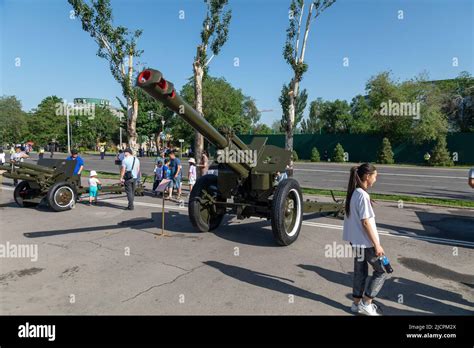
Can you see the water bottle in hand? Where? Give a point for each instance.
(386, 264)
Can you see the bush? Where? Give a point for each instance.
(338, 154)
(294, 156)
(441, 155)
(315, 155)
(385, 155)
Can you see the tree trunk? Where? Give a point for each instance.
(132, 112)
(294, 86)
(199, 139)
(157, 142)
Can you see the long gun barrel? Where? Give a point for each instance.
(153, 83)
(35, 167)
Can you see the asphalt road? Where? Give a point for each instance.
(105, 260)
(421, 181)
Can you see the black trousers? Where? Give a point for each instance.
(130, 186)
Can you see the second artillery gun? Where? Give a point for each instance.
(54, 181)
(245, 188)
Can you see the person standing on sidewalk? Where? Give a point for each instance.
(102, 152)
(361, 231)
(129, 175)
(17, 157)
(176, 174)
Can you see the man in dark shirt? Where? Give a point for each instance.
(176, 174)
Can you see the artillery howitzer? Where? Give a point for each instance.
(54, 181)
(242, 186)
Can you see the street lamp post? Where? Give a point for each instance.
(163, 131)
(68, 130)
(181, 141)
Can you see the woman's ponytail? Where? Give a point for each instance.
(355, 181)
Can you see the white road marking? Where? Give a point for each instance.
(399, 235)
(383, 174)
(308, 223)
(334, 227)
(6, 188)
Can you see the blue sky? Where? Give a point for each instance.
(59, 58)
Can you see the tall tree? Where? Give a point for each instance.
(224, 105)
(336, 117)
(119, 47)
(215, 28)
(251, 111)
(313, 123)
(458, 101)
(363, 121)
(285, 102)
(149, 118)
(46, 123)
(294, 55)
(13, 121)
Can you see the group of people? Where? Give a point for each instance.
(170, 168)
(129, 175)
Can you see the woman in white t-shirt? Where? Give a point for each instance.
(361, 231)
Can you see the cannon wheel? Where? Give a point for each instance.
(21, 190)
(202, 212)
(287, 211)
(61, 197)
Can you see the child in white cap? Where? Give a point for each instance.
(192, 173)
(93, 189)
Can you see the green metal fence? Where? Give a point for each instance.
(364, 148)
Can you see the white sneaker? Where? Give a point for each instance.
(355, 308)
(370, 309)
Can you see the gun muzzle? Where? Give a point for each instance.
(153, 83)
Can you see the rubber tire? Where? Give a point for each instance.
(52, 191)
(204, 182)
(278, 212)
(16, 195)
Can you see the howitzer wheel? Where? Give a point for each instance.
(61, 197)
(24, 191)
(202, 212)
(287, 211)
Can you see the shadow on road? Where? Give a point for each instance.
(435, 224)
(274, 283)
(416, 295)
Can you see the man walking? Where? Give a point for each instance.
(129, 175)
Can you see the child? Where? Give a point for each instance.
(360, 230)
(93, 189)
(192, 173)
(158, 175)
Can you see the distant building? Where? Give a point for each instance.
(98, 102)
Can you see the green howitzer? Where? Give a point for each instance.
(52, 180)
(248, 176)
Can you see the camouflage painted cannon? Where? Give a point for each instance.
(52, 180)
(245, 183)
